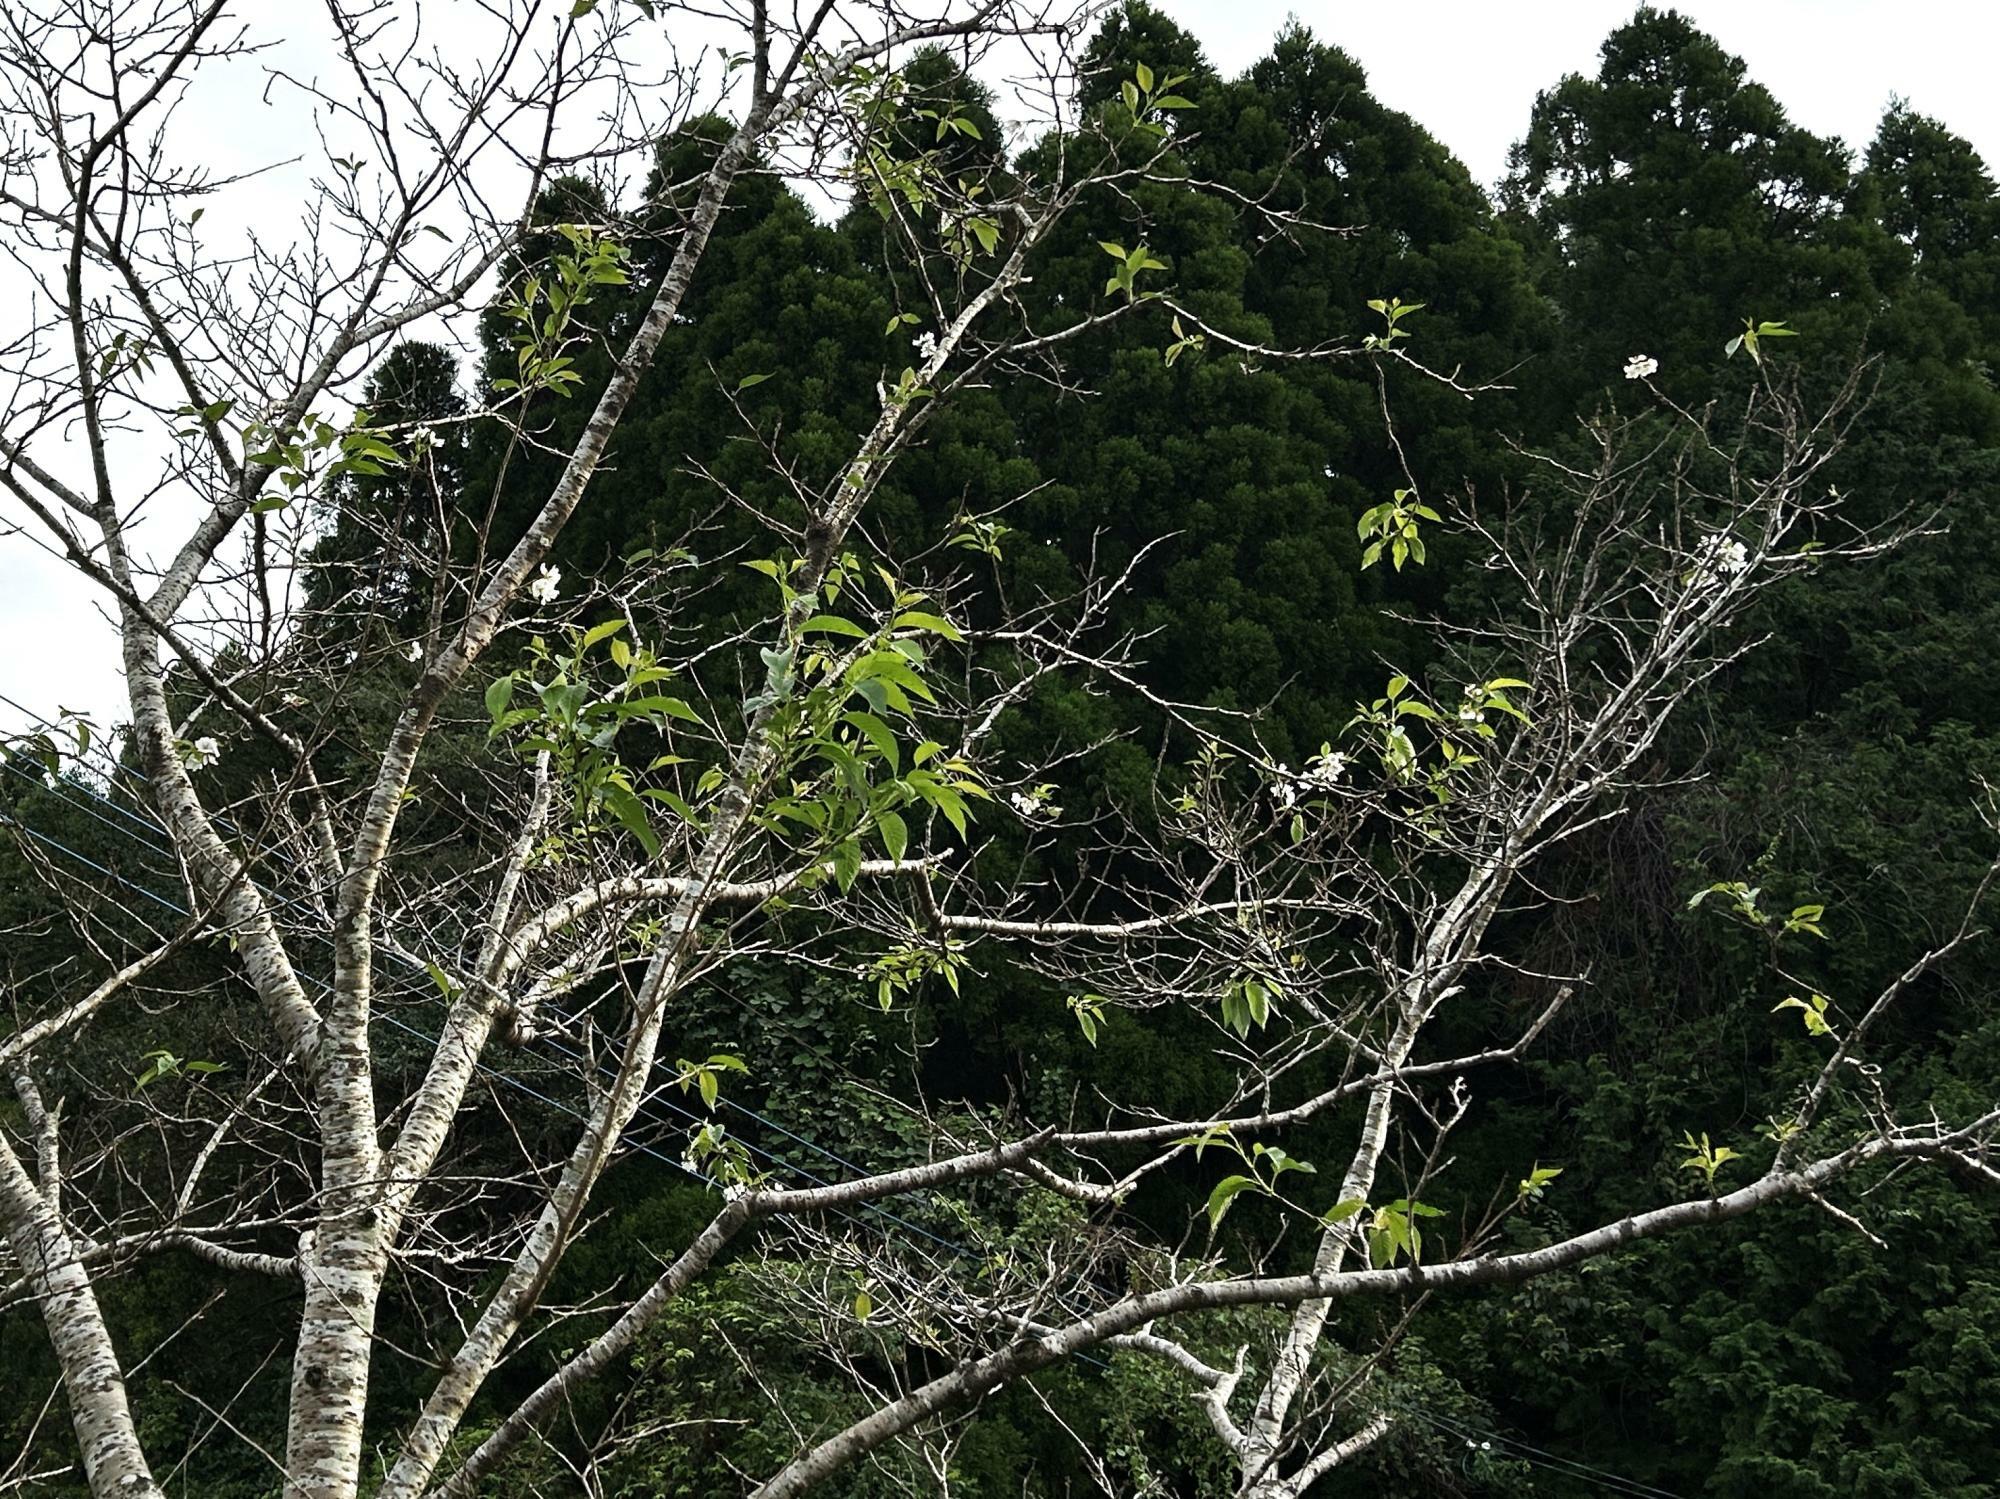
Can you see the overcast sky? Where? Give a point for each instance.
(1468, 70)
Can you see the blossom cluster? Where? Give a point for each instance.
(1720, 558)
(1036, 803)
(1321, 773)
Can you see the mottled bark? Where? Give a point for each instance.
(978, 1376)
(93, 1381)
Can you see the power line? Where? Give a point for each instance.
(551, 1043)
(1510, 1446)
(1474, 1436)
(151, 826)
(147, 825)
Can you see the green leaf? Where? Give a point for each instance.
(895, 834)
(1812, 1012)
(1389, 1234)
(846, 864)
(631, 812)
(1226, 1192)
(671, 707)
(1235, 1013)
(1537, 1178)
(878, 734)
(671, 800)
(1258, 1000)
(749, 380)
(1202, 1141)
(891, 669)
(951, 804)
(864, 1304)
(833, 624)
(1280, 1161)
(937, 624)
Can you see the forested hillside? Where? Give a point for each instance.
(1147, 641)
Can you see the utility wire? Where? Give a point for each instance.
(141, 834)
(146, 827)
(1514, 1447)
(655, 1098)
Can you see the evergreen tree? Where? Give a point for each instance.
(385, 537)
(1672, 200)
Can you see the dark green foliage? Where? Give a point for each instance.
(1652, 209)
(1246, 472)
(1670, 199)
(1673, 201)
(386, 537)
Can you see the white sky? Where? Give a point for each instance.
(1468, 70)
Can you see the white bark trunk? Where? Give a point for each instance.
(93, 1382)
(529, 1274)
(1451, 940)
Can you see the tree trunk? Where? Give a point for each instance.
(113, 1463)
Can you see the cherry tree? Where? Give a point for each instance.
(833, 808)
